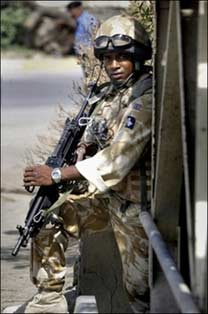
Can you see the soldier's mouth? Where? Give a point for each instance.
(116, 76)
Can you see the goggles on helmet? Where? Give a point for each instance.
(117, 41)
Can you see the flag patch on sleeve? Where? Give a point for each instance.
(130, 122)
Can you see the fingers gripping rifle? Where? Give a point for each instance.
(63, 153)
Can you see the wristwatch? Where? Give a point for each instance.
(56, 175)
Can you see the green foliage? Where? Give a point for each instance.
(12, 20)
(143, 12)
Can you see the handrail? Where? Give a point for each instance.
(180, 290)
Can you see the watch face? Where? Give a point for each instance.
(56, 175)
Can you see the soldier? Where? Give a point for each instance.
(109, 158)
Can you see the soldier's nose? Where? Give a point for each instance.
(114, 63)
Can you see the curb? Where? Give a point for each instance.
(22, 66)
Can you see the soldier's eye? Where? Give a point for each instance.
(123, 57)
(107, 58)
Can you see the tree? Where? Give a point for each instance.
(143, 12)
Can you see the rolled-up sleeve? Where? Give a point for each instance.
(109, 166)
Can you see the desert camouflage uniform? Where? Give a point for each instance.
(113, 176)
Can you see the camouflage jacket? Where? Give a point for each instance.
(121, 128)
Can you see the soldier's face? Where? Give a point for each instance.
(118, 66)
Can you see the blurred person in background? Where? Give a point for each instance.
(86, 26)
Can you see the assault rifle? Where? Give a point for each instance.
(63, 153)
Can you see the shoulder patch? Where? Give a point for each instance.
(130, 122)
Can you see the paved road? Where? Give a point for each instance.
(31, 93)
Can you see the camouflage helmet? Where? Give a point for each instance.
(121, 33)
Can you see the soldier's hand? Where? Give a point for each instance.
(81, 152)
(37, 175)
